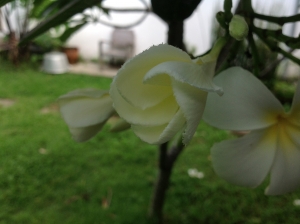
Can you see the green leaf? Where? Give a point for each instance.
(52, 8)
(3, 2)
(70, 31)
(39, 7)
(65, 13)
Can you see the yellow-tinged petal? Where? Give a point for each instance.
(159, 114)
(192, 102)
(85, 133)
(85, 107)
(160, 134)
(246, 161)
(120, 125)
(151, 88)
(285, 172)
(199, 76)
(129, 80)
(246, 104)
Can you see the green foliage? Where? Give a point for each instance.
(284, 91)
(46, 177)
(69, 31)
(39, 6)
(47, 42)
(3, 2)
(65, 10)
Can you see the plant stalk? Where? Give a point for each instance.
(166, 162)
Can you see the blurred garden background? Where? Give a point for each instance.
(46, 177)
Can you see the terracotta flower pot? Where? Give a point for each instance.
(72, 54)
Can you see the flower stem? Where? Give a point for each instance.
(255, 54)
(274, 46)
(166, 162)
(214, 52)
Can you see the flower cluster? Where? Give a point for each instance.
(85, 111)
(162, 92)
(159, 93)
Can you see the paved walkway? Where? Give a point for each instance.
(93, 69)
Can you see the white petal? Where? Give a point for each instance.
(89, 92)
(159, 114)
(160, 134)
(245, 161)
(192, 102)
(285, 172)
(85, 133)
(199, 76)
(86, 107)
(246, 104)
(295, 110)
(120, 125)
(129, 80)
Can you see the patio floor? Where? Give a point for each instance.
(93, 69)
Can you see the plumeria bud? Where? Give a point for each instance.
(220, 16)
(238, 27)
(85, 111)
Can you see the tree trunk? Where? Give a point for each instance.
(175, 34)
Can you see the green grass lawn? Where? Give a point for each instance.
(46, 177)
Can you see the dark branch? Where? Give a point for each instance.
(278, 20)
(128, 10)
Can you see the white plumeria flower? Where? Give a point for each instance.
(85, 111)
(296, 202)
(163, 91)
(272, 146)
(194, 173)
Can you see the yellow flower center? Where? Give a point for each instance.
(286, 131)
(282, 118)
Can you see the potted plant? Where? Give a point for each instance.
(72, 53)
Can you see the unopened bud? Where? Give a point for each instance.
(238, 27)
(220, 16)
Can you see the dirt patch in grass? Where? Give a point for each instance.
(51, 109)
(6, 102)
